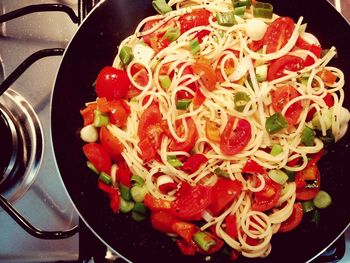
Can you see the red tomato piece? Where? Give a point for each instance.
(148, 150)
(98, 156)
(198, 17)
(106, 188)
(191, 201)
(112, 83)
(155, 39)
(206, 74)
(327, 76)
(255, 45)
(253, 167)
(288, 62)
(278, 33)
(124, 174)
(102, 105)
(88, 114)
(187, 248)
(155, 204)
(215, 248)
(231, 226)
(268, 197)
(167, 187)
(317, 50)
(310, 173)
(280, 98)
(198, 98)
(119, 112)
(294, 220)
(224, 192)
(233, 140)
(193, 163)
(192, 137)
(201, 34)
(115, 201)
(111, 143)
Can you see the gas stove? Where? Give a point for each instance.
(29, 178)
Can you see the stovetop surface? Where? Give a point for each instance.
(46, 204)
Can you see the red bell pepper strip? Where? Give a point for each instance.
(253, 167)
(124, 174)
(193, 163)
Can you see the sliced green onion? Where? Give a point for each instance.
(263, 10)
(226, 19)
(125, 192)
(238, 3)
(137, 180)
(203, 240)
(138, 193)
(139, 208)
(183, 104)
(261, 73)
(240, 10)
(126, 206)
(173, 161)
(276, 150)
(100, 119)
(161, 6)
(308, 206)
(137, 216)
(326, 116)
(126, 55)
(218, 171)
(322, 199)
(278, 176)
(275, 123)
(172, 33)
(105, 178)
(308, 136)
(241, 99)
(92, 167)
(194, 46)
(165, 81)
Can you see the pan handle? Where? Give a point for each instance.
(30, 228)
(26, 64)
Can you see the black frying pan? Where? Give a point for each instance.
(95, 46)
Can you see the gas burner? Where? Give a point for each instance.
(22, 145)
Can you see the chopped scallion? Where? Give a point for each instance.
(165, 81)
(161, 6)
(100, 119)
(183, 104)
(261, 73)
(139, 208)
(263, 10)
(308, 206)
(172, 33)
(203, 240)
(125, 192)
(275, 123)
(92, 167)
(276, 150)
(126, 55)
(218, 171)
(105, 178)
(173, 161)
(194, 46)
(138, 193)
(308, 136)
(226, 19)
(278, 176)
(240, 10)
(322, 199)
(137, 180)
(241, 99)
(126, 206)
(246, 3)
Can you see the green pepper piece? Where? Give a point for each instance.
(275, 123)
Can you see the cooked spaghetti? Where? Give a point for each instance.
(225, 112)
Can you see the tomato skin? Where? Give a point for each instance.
(268, 197)
(253, 167)
(111, 143)
(112, 83)
(206, 74)
(317, 50)
(198, 17)
(278, 33)
(287, 62)
(233, 140)
(88, 114)
(98, 156)
(198, 196)
(327, 76)
(231, 226)
(193, 163)
(328, 99)
(124, 174)
(280, 98)
(187, 248)
(192, 137)
(224, 192)
(303, 193)
(155, 204)
(119, 112)
(294, 220)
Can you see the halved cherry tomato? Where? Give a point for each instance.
(119, 112)
(224, 192)
(309, 173)
(193, 163)
(191, 139)
(112, 83)
(98, 156)
(288, 62)
(206, 74)
(191, 201)
(278, 33)
(294, 220)
(212, 131)
(111, 143)
(150, 131)
(88, 114)
(268, 197)
(280, 98)
(155, 204)
(327, 76)
(233, 140)
(123, 174)
(198, 17)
